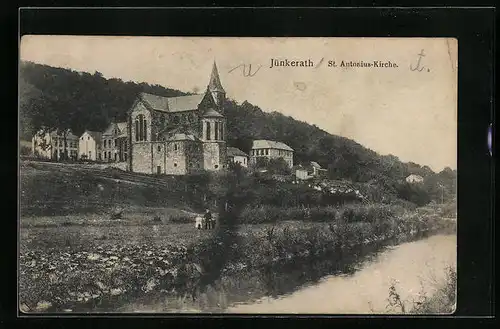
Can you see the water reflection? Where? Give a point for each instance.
(346, 290)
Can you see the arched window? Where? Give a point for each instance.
(216, 130)
(141, 129)
(221, 131)
(137, 129)
(208, 131)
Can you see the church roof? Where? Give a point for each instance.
(214, 83)
(212, 113)
(233, 151)
(267, 144)
(182, 137)
(172, 104)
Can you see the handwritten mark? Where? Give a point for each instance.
(300, 86)
(320, 62)
(419, 66)
(244, 71)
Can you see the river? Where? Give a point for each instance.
(414, 265)
(358, 284)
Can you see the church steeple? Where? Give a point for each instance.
(214, 84)
(215, 87)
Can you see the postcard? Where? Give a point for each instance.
(215, 175)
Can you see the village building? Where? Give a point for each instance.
(178, 135)
(89, 146)
(236, 155)
(414, 179)
(311, 170)
(317, 170)
(271, 150)
(55, 145)
(114, 143)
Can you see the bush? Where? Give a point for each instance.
(414, 193)
(180, 219)
(372, 213)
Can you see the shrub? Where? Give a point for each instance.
(180, 218)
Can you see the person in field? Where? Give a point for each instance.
(199, 222)
(208, 219)
(213, 222)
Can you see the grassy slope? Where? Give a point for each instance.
(58, 190)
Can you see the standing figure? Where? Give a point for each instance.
(199, 222)
(208, 219)
(213, 222)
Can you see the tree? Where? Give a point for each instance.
(278, 166)
(415, 193)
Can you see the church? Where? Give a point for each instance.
(178, 135)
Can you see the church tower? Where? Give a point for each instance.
(215, 88)
(213, 122)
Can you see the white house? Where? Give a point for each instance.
(271, 150)
(55, 144)
(301, 173)
(414, 179)
(90, 145)
(237, 156)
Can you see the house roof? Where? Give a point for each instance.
(122, 126)
(96, 135)
(264, 144)
(315, 164)
(56, 133)
(233, 151)
(110, 129)
(172, 104)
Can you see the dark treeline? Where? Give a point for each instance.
(60, 98)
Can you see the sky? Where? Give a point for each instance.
(409, 111)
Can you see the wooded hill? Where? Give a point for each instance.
(62, 98)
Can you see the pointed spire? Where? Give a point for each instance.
(214, 84)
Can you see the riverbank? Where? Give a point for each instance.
(413, 268)
(104, 277)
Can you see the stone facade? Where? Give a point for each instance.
(178, 135)
(114, 143)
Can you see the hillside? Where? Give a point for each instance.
(62, 98)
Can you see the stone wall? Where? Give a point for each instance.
(214, 155)
(194, 156)
(175, 158)
(141, 157)
(158, 159)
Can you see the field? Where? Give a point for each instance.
(76, 254)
